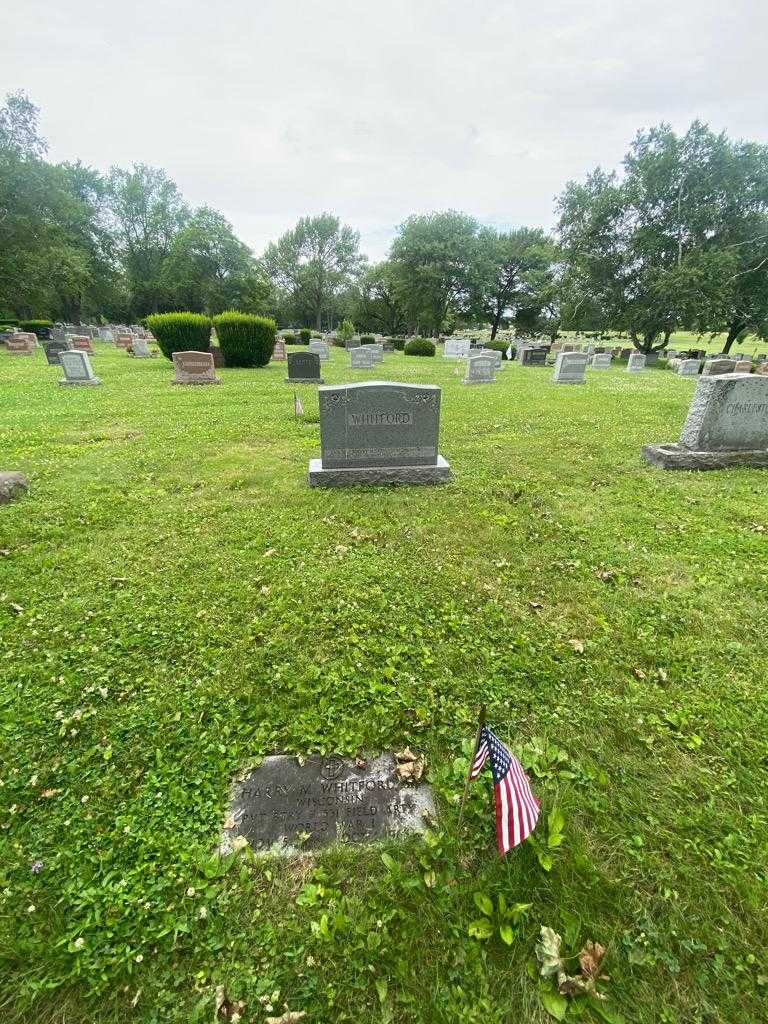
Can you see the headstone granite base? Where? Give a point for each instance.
(437, 474)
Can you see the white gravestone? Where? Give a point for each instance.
(727, 425)
(570, 368)
(140, 349)
(689, 367)
(494, 354)
(480, 370)
(378, 352)
(601, 361)
(457, 348)
(636, 362)
(77, 368)
(321, 348)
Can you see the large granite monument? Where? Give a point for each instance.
(727, 425)
(379, 432)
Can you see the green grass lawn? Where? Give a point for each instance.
(176, 602)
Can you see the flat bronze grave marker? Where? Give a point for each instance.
(301, 805)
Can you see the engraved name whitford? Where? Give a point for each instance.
(380, 419)
(747, 409)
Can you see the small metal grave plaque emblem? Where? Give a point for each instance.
(295, 806)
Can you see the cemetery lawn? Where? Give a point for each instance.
(176, 602)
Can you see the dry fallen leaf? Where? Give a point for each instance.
(638, 672)
(16, 608)
(226, 1008)
(535, 605)
(590, 959)
(577, 645)
(49, 793)
(289, 1017)
(410, 767)
(230, 822)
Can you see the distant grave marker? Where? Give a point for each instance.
(194, 368)
(361, 358)
(303, 368)
(570, 368)
(77, 369)
(636, 362)
(53, 350)
(320, 348)
(278, 353)
(480, 370)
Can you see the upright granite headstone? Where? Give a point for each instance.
(22, 343)
(77, 369)
(718, 367)
(321, 348)
(727, 425)
(494, 355)
(352, 343)
(303, 368)
(570, 368)
(601, 361)
(361, 358)
(480, 370)
(378, 352)
(278, 353)
(140, 349)
(123, 340)
(743, 366)
(689, 367)
(53, 350)
(457, 348)
(635, 362)
(289, 804)
(194, 368)
(379, 432)
(81, 343)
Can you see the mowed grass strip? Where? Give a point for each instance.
(176, 603)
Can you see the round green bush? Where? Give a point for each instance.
(289, 339)
(399, 343)
(180, 332)
(245, 339)
(305, 334)
(420, 347)
(42, 328)
(367, 339)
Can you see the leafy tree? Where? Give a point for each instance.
(19, 131)
(434, 257)
(147, 212)
(377, 303)
(208, 269)
(345, 330)
(313, 262)
(512, 270)
(679, 241)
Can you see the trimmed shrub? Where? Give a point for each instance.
(42, 328)
(291, 339)
(399, 343)
(420, 347)
(11, 321)
(500, 346)
(180, 332)
(305, 334)
(245, 339)
(367, 339)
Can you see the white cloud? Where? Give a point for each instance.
(271, 109)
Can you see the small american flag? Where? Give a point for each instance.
(298, 408)
(517, 809)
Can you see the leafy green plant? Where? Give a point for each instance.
(290, 339)
(399, 344)
(420, 347)
(305, 334)
(180, 332)
(245, 339)
(367, 339)
(499, 346)
(345, 331)
(497, 917)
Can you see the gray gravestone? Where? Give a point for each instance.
(601, 361)
(361, 358)
(194, 368)
(689, 367)
(352, 343)
(636, 362)
(289, 805)
(53, 350)
(303, 368)
(379, 432)
(480, 370)
(378, 352)
(321, 348)
(570, 368)
(727, 425)
(77, 368)
(140, 349)
(494, 354)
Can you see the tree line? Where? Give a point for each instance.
(676, 239)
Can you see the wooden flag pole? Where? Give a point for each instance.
(480, 724)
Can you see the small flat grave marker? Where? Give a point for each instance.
(77, 369)
(290, 806)
(194, 368)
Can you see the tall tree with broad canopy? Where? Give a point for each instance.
(679, 240)
(377, 305)
(147, 212)
(512, 269)
(209, 269)
(313, 262)
(435, 256)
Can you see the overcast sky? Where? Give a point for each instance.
(271, 109)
